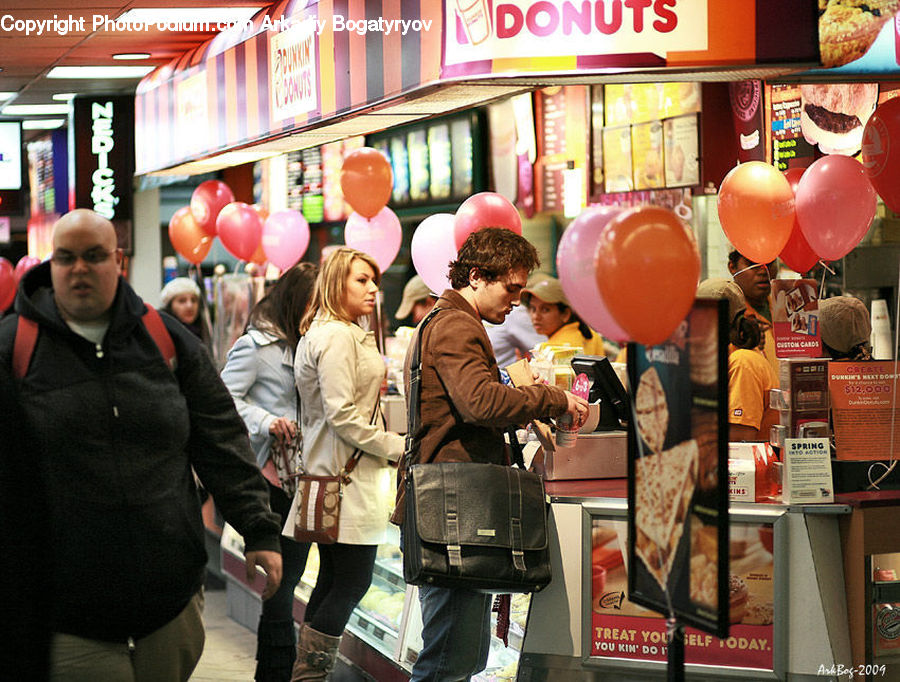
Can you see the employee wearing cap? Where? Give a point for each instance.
(552, 315)
(750, 377)
(846, 326)
(417, 300)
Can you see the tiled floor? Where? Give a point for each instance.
(230, 647)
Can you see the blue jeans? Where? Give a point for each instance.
(456, 634)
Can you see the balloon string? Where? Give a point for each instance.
(889, 468)
(750, 267)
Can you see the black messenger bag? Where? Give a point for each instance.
(470, 525)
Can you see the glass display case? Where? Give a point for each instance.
(387, 619)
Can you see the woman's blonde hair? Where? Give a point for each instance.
(331, 283)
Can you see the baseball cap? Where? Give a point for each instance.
(844, 322)
(548, 289)
(727, 289)
(415, 290)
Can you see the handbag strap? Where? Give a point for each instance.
(357, 453)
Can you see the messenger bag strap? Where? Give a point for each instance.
(415, 391)
(451, 520)
(514, 485)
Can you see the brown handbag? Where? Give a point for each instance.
(318, 514)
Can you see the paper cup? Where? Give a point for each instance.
(593, 418)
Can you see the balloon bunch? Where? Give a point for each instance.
(802, 215)
(631, 274)
(437, 238)
(367, 181)
(247, 231)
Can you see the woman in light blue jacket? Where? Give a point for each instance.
(260, 376)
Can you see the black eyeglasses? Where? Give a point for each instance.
(93, 256)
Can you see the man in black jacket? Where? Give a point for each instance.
(121, 434)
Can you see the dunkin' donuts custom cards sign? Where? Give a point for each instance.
(795, 318)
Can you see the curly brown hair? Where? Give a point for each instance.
(493, 252)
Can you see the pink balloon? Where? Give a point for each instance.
(285, 236)
(207, 201)
(835, 205)
(24, 265)
(240, 229)
(433, 247)
(485, 209)
(7, 284)
(575, 265)
(379, 237)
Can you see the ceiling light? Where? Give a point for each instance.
(91, 72)
(64, 96)
(35, 109)
(43, 123)
(131, 55)
(7, 95)
(187, 18)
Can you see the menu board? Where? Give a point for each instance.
(439, 165)
(643, 102)
(622, 629)
(789, 148)
(647, 155)
(419, 177)
(295, 181)
(861, 407)
(617, 159)
(461, 156)
(332, 196)
(680, 98)
(400, 166)
(795, 318)
(677, 472)
(596, 184)
(553, 120)
(312, 202)
(682, 153)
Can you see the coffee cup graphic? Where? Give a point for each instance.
(476, 19)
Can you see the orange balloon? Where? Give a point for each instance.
(366, 181)
(259, 256)
(647, 268)
(188, 238)
(756, 209)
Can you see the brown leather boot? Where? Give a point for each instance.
(316, 654)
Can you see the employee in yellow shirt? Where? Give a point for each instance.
(750, 376)
(755, 282)
(552, 316)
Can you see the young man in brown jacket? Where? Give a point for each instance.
(463, 411)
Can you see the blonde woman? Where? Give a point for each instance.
(339, 373)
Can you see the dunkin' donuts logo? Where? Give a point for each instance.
(491, 30)
(745, 96)
(887, 622)
(876, 146)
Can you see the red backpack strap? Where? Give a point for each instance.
(23, 349)
(157, 328)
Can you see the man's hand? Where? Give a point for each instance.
(283, 428)
(577, 407)
(268, 561)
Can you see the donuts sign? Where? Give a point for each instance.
(479, 29)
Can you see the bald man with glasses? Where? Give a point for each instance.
(121, 432)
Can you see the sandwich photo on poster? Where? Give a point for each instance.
(677, 477)
(795, 318)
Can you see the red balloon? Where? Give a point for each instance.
(756, 209)
(240, 229)
(24, 265)
(187, 237)
(881, 152)
(647, 267)
(485, 209)
(797, 254)
(207, 201)
(366, 181)
(7, 284)
(835, 205)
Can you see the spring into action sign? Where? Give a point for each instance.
(862, 398)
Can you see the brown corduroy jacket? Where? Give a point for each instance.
(464, 407)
